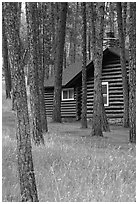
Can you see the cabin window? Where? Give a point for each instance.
(67, 94)
(105, 93)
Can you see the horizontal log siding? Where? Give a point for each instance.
(111, 73)
(68, 108)
(48, 95)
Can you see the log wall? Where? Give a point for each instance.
(68, 107)
(112, 74)
(72, 108)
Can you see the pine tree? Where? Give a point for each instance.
(6, 64)
(132, 67)
(99, 120)
(123, 65)
(24, 150)
(59, 63)
(41, 66)
(84, 84)
(32, 15)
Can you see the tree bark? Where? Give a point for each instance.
(59, 64)
(111, 17)
(84, 77)
(41, 67)
(34, 79)
(132, 66)
(124, 8)
(89, 43)
(7, 71)
(99, 120)
(123, 65)
(24, 151)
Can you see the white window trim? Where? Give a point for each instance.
(106, 83)
(67, 99)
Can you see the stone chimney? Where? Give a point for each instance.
(110, 40)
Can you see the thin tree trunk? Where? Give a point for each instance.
(89, 43)
(84, 84)
(132, 66)
(41, 68)
(34, 80)
(59, 64)
(64, 59)
(99, 116)
(124, 7)
(111, 17)
(123, 65)
(24, 151)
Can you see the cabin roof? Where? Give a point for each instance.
(75, 69)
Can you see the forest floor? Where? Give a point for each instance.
(72, 165)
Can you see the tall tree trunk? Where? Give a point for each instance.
(59, 64)
(84, 83)
(6, 64)
(64, 59)
(124, 8)
(132, 67)
(34, 80)
(24, 150)
(89, 43)
(41, 67)
(123, 65)
(111, 17)
(75, 36)
(99, 116)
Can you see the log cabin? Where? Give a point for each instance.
(71, 86)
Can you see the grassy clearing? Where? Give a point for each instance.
(72, 166)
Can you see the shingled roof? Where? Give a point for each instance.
(75, 69)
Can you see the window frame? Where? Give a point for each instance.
(107, 95)
(67, 99)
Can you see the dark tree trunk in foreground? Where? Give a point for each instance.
(99, 121)
(24, 151)
(123, 65)
(59, 63)
(7, 71)
(132, 67)
(31, 12)
(84, 84)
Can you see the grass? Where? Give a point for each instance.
(72, 166)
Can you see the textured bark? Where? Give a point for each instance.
(64, 59)
(7, 71)
(24, 151)
(59, 64)
(89, 43)
(105, 124)
(47, 39)
(99, 117)
(123, 65)
(132, 66)
(41, 67)
(34, 75)
(75, 36)
(111, 16)
(84, 84)
(124, 9)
